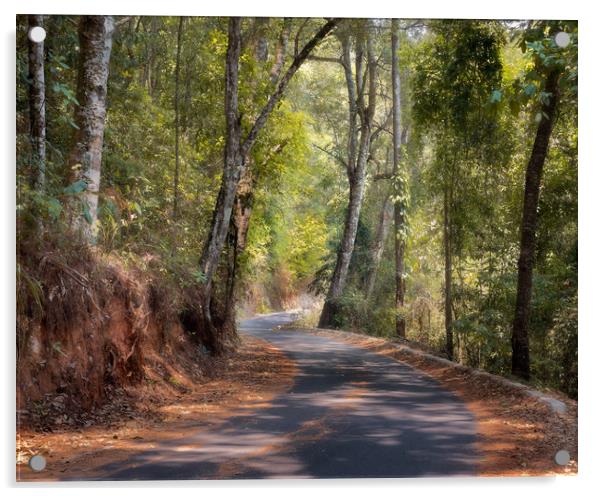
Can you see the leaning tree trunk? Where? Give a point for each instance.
(356, 171)
(241, 219)
(37, 107)
(233, 165)
(328, 317)
(243, 203)
(95, 35)
(520, 326)
(398, 214)
(236, 150)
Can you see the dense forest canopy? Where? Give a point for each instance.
(410, 178)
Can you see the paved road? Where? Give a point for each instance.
(350, 413)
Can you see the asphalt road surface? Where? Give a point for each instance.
(350, 413)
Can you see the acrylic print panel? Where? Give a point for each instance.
(258, 248)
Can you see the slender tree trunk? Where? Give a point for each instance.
(236, 150)
(260, 40)
(447, 245)
(526, 260)
(37, 106)
(151, 76)
(398, 215)
(187, 94)
(241, 220)
(95, 35)
(281, 51)
(356, 171)
(243, 208)
(176, 179)
(382, 230)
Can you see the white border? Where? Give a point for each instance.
(590, 221)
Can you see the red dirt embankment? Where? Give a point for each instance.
(87, 326)
(135, 421)
(100, 341)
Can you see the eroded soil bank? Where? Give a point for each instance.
(243, 381)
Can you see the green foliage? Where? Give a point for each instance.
(76, 187)
(470, 90)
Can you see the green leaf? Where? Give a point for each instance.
(87, 213)
(136, 207)
(76, 187)
(110, 206)
(199, 276)
(496, 96)
(530, 89)
(54, 208)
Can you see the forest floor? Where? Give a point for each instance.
(518, 434)
(245, 380)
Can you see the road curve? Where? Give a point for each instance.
(350, 413)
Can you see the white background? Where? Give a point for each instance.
(590, 222)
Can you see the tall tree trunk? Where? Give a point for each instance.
(526, 260)
(280, 54)
(95, 35)
(239, 228)
(398, 215)
(243, 203)
(356, 171)
(151, 76)
(236, 150)
(187, 94)
(447, 246)
(37, 106)
(382, 230)
(261, 27)
(176, 178)
(328, 317)
(233, 164)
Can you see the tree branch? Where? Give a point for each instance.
(382, 127)
(123, 21)
(331, 154)
(325, 59)
(298, 35)
(277, 95)
(383, 175)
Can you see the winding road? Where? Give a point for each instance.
(350, 413)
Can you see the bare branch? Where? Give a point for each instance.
(122, 21)
(331, 154)
(382, 127)
(298, 35)
(317, 58)
(383, 175)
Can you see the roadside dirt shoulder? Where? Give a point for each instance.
(247, 379)
(519, 433)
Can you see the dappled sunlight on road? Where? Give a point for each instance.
(350, 413)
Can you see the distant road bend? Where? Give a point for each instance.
(350, 413)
